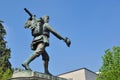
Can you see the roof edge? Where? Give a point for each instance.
(77, 70)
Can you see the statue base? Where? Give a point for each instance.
(30, 75)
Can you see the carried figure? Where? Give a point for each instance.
(41, 30)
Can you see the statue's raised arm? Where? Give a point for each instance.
(32, 20)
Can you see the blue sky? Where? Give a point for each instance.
(92, 25)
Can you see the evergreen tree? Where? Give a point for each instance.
(5, 66)
(110, 69)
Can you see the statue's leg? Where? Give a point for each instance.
(45, 58)
(26, 63)
(37, 52)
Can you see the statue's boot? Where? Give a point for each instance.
(26, 63)
(46, 68)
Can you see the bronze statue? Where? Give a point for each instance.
(40, 30)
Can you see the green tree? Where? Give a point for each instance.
(110, 69)
(5, 66)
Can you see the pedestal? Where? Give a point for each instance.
(30, 75)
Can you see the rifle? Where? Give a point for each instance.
(27, 11)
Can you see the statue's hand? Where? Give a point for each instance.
(67, 41)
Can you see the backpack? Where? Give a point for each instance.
(38, 29)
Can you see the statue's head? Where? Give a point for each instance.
(45, 19)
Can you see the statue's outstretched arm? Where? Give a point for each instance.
(66, 40)
(54, 32)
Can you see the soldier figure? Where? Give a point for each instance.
(41, 33)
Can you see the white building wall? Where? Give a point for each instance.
(76, 75)
(81, 74)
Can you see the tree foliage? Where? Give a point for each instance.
(110, 69)
(5, 66)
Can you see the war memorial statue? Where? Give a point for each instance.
(40, 30)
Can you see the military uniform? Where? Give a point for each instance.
(43, 38)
